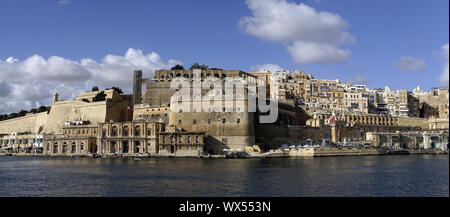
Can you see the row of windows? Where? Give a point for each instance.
(195, 122)
(64, 148)
(178, 75)
(238, 109)
(126, 131)
(79, 132)
(180, 139)
(20, 141)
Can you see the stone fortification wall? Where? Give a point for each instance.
(30, 123)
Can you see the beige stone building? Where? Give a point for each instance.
(146, 138)
(356, 102)
(435, 103)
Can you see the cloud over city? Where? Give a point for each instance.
(31, 82)
(411, 64)
(310, 36)
(266, 67)
(445, 69)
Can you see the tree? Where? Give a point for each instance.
(34, 111)
(100, 97)
(22, 113)
(178, 67)
(42, 109)
(95, 88)
(198, 66)
(12, 115)
(117, 89)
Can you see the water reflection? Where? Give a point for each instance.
(420, 175)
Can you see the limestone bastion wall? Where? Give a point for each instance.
(60, 113)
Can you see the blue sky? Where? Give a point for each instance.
(212, 32)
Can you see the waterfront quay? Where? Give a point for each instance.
(277, 153)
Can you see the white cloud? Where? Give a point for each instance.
(25, 84)
(445, 68)
(266, 67)
(300, 26)
(411, 64)
(64, 2)
(358, 80)
(317, 53)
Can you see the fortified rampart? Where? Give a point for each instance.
(69, 111)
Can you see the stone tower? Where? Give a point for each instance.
(137, 87)
(55, 98)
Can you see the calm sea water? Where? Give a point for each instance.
(419, 175)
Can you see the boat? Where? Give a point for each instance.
(137, 158)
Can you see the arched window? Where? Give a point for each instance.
(114, 131)
(126, 131)
(74, 147)
(64, 147)
(137, 131)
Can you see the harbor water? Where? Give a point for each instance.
(355, 176)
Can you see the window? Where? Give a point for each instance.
(149, 132)
(195, 122)
(180, 140)
(114, 131)
(172, 139)
(137, 131)
(179, 122)
(224, 121)
(238, 120)
(126, 131)
(163, 139)
(197, 139)
(209, 121)
(225, 140)
(189, 139)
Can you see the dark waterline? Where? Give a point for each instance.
(411, 175)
